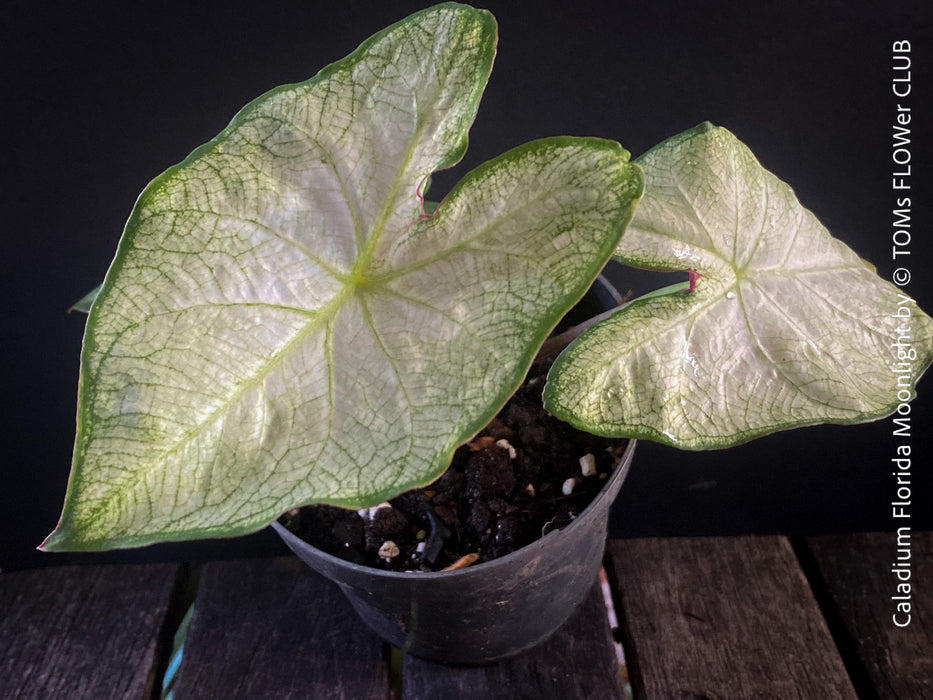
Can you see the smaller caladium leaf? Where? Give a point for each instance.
(786, 326)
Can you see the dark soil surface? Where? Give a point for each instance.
(504, 489)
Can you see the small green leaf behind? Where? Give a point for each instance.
(787, 325)
(283, 324)
(84, 303)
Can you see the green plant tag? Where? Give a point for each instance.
(786, 327)
(283, 324)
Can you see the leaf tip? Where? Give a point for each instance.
(52, 543)
(66, 538)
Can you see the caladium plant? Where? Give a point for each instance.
(284, 324)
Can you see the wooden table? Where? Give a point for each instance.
(744, 617)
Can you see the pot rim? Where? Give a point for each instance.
(615, 481)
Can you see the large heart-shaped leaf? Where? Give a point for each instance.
(283, 324)
(786, 326)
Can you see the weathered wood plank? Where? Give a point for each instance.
(578, 661)
(83, 631)
(722, 618)
(862, 573)
(272, 628)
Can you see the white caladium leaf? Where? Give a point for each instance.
(785, 327)
(283, 324)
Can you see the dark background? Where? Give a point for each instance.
(98, 98)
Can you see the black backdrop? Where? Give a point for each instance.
(98, 98)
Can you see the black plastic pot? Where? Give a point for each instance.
(486, 612)
(492, 610)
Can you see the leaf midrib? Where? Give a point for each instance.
(364, 259)
(763, 353)
(325, 316)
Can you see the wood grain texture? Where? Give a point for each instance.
(83, 631)
(857, 573)
(577, 662)
(722, 618)
(272, 628)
